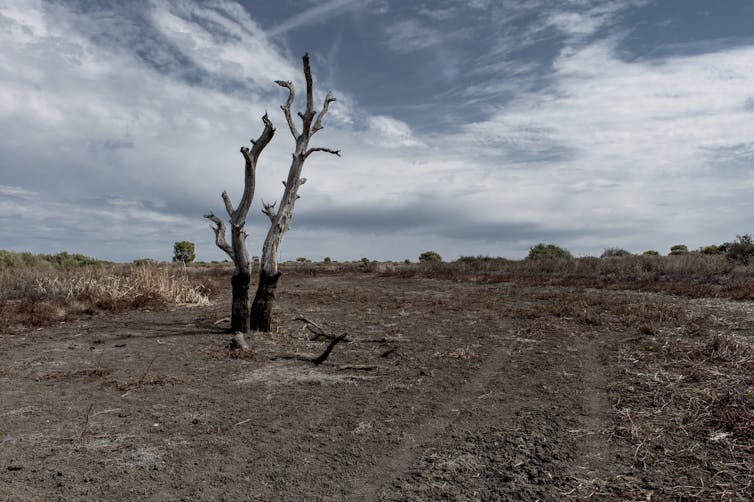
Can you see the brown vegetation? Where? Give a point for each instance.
(41, 295)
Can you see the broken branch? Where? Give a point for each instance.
(220, 238)
(320, 149)
(318, 123)
(287, 106)
(228, 204)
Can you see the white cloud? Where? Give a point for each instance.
(319, 13)
(390, 132)
(633, 142)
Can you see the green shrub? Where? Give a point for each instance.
(651, 252)
(64, 259)
(184, 251)
(327, 259)
(742, 250)
(429, 256)
(544, 251)
(301, 259)
(710, 250)
(679, 249)
(614, 252)
(145, 262)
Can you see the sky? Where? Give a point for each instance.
(467, 127)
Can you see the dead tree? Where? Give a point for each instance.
(280, 218)
(239, 319)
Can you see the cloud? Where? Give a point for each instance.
(318, 14)
(390, 132)
(409, 35)
(630, 141)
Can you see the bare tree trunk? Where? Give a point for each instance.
(261, 311)
(280, 220)
(240, 313)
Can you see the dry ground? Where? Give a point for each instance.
(446, 390)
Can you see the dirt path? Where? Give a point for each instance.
(447, 391)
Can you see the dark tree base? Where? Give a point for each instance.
(239, 315)
(261, 309)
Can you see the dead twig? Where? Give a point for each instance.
(315, 360)
(319, 360)
(149, 367)
(317, 330)
(85, 429)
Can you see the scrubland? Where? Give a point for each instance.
(621, 378)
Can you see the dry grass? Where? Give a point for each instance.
(682, 387)
(692, 275)
(38, 296)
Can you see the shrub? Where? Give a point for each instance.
(710, 250)
(679, 249)
(145, 262)
(184, 251)
(651, 252)
(741, 250)
(301, 259)
(60, 260)
(541, 251)
(327, 259)
(69, 260)
(614, 252)
(429, 256)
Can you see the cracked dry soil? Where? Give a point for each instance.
(445, 391)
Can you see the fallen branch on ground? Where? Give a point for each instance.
(317, 330)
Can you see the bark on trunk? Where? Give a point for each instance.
(239, 318)
(261, 309)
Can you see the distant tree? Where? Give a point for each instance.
(327, 259)
(541, 251)
(184, 251)
(679, 249)
(741, 250)
(614, 252)
(651, 252)
(430, 257)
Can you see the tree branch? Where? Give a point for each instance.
(251, 157)
(220, 234)
(318, 123)
(320, 149)
(228, 204)
(287, 106)
(309, 115)
(269, 210)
